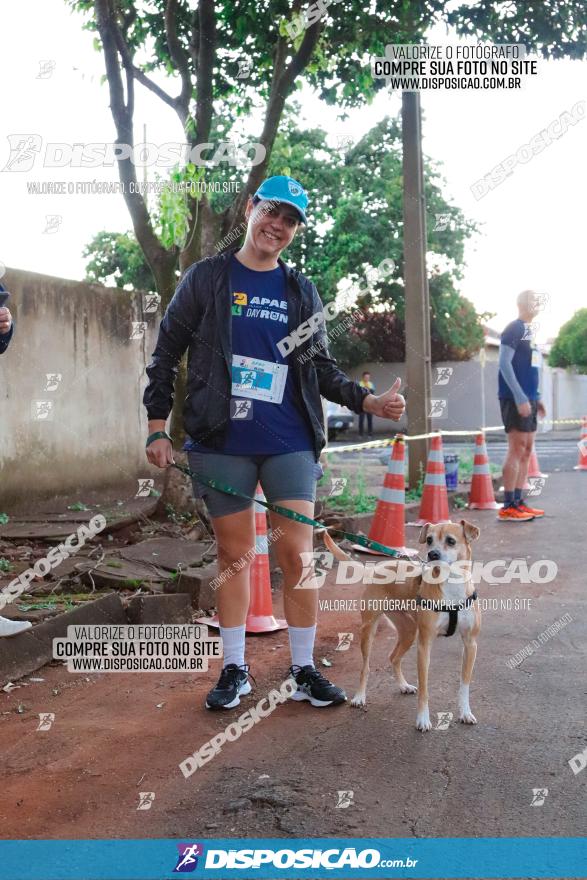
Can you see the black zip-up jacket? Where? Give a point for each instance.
(198, 319)
(5, 337)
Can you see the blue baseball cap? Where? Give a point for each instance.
(282, 188)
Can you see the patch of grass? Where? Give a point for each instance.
(132, 583)
(415, 493)
(178, 518)
(5, 564)
(4, 519)
(466, 460)
(354, 497)
(114, 563)
(79, 505)
(69, 600)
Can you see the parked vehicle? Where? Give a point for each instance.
(339, 419)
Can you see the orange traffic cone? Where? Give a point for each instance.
(260, 615)
(388, 523)
(533, 466)
(481, 496)
(533, 469)
(582, 444)
(434, 506)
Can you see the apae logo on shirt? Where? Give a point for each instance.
(261, 307)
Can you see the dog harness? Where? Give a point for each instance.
(452, 610)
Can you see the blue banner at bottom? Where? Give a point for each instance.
(522, 857)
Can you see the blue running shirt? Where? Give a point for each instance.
(259, 322)
(517, 336)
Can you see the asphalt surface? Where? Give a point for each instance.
(559, 453)
(115, 736)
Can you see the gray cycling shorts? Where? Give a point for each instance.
(292, 475)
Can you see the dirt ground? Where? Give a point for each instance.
(116, 735)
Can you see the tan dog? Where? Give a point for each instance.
(446, 542)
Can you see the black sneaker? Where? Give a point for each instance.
(233, 681)
(314, 687)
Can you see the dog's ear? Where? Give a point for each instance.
(470, 531)
(423, 533)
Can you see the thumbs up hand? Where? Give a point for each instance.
(389, 405)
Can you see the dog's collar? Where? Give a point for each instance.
(451, 610)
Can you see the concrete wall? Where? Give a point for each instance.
(569, 394)
(471, 394)
(95, 434)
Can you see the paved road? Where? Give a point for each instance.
(553, 455)
(117, 735)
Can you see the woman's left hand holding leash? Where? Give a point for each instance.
(389, 405)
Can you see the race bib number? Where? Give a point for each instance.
(258, 379)
(536, 358)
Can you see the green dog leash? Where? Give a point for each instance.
(292, 514)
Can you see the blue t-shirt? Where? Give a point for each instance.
(259, 322)
(517, 336)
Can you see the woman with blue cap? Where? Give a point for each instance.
(258, 365)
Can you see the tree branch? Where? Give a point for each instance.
(282, 83)
(160, 260)
(179, 58)
(205, 69)
(142, 77)
(205, 28)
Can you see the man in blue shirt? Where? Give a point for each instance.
(8, 627)
(519, 398)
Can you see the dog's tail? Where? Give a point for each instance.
(334, 548)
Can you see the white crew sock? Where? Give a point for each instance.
(301, 644)
(233, 641)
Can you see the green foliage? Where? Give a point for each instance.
(362, 217)
(414, 493)
(350, 32)
(466, 464)
(340, 45)
(354, 497)
(118, 255)
(357, 221)
(570, 346)
(4, 519)
(5, 564)
(173, 213)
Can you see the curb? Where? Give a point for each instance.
(20, 655)
(25, 653)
